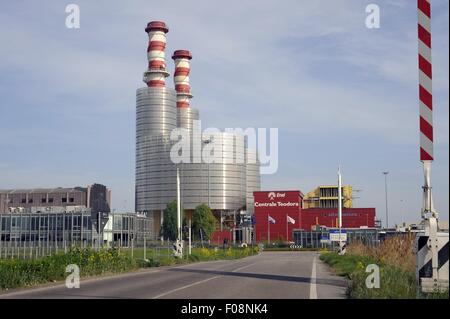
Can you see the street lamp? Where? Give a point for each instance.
(402, 211)
(208, 141)
(386, 196)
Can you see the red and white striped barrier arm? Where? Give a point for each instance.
(425, 81)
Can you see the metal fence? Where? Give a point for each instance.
(33, 235)
(315, 238)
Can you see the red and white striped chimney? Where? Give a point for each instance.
(181, 77)
(156, 74)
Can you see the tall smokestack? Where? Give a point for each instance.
(156, 74)
(181, 77)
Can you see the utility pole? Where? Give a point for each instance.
(386, 197)
(178, 245)
(145, 244)
(208, 141)
(178, 206)
(341, 244)
(402, 212)
(190, 234)
(209, 186)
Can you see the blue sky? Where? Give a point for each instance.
(338, 92)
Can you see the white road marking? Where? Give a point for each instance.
(60, 284)
(52, 286)
(243, 267)
(313, 284)
(184, 287)
(197, 283)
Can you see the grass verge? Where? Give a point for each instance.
(29, 272)
(26, 272)
(395, 282)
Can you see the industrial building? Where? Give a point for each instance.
(226, 186)
(41, 231)
(41, 221)
(96, 196)
(351, 217)
(280, 214)
(326, 196)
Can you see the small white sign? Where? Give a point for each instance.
(335, 237)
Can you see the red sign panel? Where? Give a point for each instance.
(277, 213)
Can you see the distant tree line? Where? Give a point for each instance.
(203, 222)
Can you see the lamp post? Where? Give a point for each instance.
(178, 249)
(386, 197)
(402, 211)
(179, 236)
(208, 141)
(341, 243)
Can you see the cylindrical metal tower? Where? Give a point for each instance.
(186, 116)
(156, 117)
(220, 184)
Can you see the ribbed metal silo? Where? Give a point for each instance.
(156, 117)
(186, 116)
(227, 179)
(220, 184)
(156, 111)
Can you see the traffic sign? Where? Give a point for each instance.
(325, 239)
(334, 235)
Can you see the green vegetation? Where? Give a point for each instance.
(394, 282)
(205, 254)
(203, 222)
(397, 261)
(27, 272)
(281, 245)
(169, 226)
(163, 257)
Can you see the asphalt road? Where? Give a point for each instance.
(270, 275)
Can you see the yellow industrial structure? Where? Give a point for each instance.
(326, 196)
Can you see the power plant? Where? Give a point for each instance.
(226, 185)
